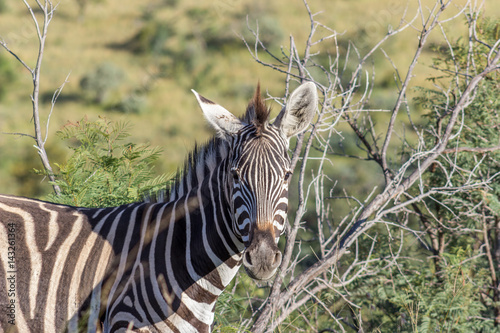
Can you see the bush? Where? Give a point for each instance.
(103, 169)
(98, 83)
(132, 103)
(150, 39)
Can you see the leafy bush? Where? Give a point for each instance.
(150, 39)
(99, 82)
(132, 103)
(103, 170)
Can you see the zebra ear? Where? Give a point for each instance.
(299, 110)
(223, 121)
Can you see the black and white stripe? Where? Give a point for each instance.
(156, 266)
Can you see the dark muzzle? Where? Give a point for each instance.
(262, 257)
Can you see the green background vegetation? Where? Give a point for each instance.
(135, 63)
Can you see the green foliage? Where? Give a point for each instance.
(388, 301)
(132, 103)
(480, 128)
(104, 170)
(414, 298)
(99, 82)
(217, 35)
(452, 305)
(228, 312)
(176, 51)
(151, 38)
(236, 304)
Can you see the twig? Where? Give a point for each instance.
(479, 150)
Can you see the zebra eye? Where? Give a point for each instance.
(287, 175)
(234, 172)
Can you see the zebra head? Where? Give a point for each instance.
(258, 172)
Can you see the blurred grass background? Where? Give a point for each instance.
(137, 61)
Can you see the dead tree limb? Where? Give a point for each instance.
(47, 9)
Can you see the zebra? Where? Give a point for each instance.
(157, 265)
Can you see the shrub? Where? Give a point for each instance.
(150, 39)
(132, 103)
(103, 169)
(99, 82)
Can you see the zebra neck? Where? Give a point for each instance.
(214, 247)
(203, 221)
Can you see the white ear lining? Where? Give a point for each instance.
(222, 120)
(299, 110)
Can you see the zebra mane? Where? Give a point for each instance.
(257, 112)
(196, 167)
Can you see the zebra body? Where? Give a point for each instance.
(156, 266)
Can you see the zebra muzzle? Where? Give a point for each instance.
(263, 257)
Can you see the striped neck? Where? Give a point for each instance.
(213, 252)
(204, 189)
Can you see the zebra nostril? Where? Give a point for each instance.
(277, 259)
(248, 260)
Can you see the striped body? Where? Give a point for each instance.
(150, 266)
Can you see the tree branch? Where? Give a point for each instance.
(48, 11)
(375, 210)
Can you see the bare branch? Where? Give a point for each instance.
(4, 45)
(55, 96)
(426, 30)
(47, 10)
(20, 134)
(334, 241)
